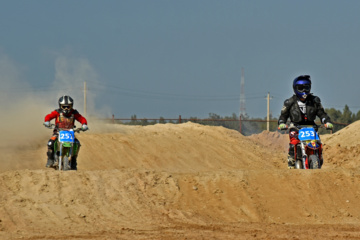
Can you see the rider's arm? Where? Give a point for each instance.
(80, 118)
(321, 112)
(285, 111)
(51, 116)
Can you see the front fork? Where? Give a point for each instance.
(304, 156)
(301, 153)
(68, 153)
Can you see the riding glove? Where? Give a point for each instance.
(282, 126)
(84, 127)
(329, 125)
(47, 124)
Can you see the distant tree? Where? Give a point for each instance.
(214, 116)
(133, 120)
(194, 119)
(144, 122)
(334, 114)
(357, 116)
(216, 119)
(162, 120)
(347, 115)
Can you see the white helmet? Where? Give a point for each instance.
(66, 103)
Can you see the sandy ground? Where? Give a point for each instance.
(184, 181)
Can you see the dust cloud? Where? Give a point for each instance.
(23, 107)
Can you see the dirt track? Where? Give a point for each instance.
(184, 181)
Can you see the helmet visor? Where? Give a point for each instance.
(303, 87)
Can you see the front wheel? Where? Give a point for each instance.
(314, 162)
(65, 163)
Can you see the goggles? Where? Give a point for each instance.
(66, 107)
(303, 87)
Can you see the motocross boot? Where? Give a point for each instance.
(321, 161)
(50, 154)
(291, 160)
(73, 163)
(50, 160)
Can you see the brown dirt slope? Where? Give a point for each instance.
(184, 181)
(343, 147)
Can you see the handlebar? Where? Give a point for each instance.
(298, 127)
(53, 126)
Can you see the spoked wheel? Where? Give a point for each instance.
(314, 162)
(65, 163)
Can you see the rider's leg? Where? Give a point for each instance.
(293, 134)
(51, 153)
(73, 163)
(291, 156)
(321, 156)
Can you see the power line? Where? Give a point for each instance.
(148, 95)
(144, 94)
(121, 89)
(113, 89)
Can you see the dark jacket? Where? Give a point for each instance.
(313, 108)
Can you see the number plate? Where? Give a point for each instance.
(308, 134)
(66, 136)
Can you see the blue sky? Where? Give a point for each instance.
(163, 58)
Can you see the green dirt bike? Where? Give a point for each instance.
(65, 147)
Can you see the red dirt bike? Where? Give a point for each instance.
(308, 152)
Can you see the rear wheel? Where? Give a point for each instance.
(314, 162)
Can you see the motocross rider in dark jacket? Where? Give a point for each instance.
(65, 117)
(302, 109)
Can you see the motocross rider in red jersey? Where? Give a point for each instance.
(65, 117)
(302, 109)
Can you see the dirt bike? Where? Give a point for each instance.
(308, 152)
(65, 147)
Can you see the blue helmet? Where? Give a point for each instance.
(302, 86)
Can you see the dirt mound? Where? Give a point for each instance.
(342, 149)
(184, 181)
(273, 141)
(346, 137)
(187, 147)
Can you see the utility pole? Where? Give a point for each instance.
(242, 98)
(242, 94)
(268, 112)
(85, 98)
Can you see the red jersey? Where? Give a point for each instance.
(63, 121)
